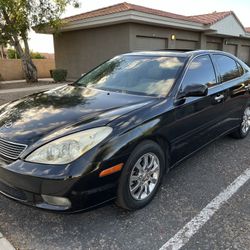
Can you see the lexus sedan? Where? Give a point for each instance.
(115, 132)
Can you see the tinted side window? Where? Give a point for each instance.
(227, 67)
(241, 70)
(200, 71)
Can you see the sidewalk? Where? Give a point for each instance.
(5, 244)
(23, 80)
(42, 87)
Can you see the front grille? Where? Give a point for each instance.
(12, 192)
(11, 150)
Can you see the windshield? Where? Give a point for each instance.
(144, 75)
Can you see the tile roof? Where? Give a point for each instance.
(124, 7)
(121, 7)
(210, 18)
(247, 29)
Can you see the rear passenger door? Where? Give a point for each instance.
(233, 80)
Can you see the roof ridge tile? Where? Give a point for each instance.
(211, 18)
(124, 4)
(206, 19)
(247, 29)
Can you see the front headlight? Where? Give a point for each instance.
(70, 147)
(3, 106)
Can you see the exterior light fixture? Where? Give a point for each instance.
(173, 37)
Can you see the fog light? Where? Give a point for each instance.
(57, 201)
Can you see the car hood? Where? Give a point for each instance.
(63, 110)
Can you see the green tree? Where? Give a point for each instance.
(18, 16)
(2, 46)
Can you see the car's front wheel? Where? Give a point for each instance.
(141, 176)
(244, 128)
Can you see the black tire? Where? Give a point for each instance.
(239, 133)
(124, 196)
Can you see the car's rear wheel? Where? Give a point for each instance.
(141, 176)
(244, 128)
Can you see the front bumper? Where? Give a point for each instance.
(18, 182)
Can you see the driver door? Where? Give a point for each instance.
(198, 119)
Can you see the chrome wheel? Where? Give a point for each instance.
(144, 176)
(245, 125)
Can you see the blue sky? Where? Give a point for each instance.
(44, 43)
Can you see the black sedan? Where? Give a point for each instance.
(115, 132)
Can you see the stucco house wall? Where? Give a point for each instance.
(88, 39)
(184, 39)
(79, 51)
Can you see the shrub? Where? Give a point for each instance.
(12, 54)
(59, 75)
(36, 55)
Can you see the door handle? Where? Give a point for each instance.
(219, 98)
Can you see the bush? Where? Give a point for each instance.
(59, 75)
(36, 55)
(12, 54)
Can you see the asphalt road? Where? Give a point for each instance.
(186, 190)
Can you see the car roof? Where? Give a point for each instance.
(177, 53)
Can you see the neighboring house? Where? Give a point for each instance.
(90, 38)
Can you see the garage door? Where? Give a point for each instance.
(185, 44)
(150, 43)
(230, 48)
(213, 46)
(244, 54)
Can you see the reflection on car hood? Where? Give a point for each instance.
(44, 114)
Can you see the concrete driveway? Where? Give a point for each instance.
(185, 192)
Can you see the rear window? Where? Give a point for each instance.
(241, 69)
(228, 68)
(143, 75)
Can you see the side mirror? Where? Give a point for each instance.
(195, 90)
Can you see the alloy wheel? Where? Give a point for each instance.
(245, 125)
(144, 176)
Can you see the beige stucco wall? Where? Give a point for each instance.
(81, 50)
(11, 69)
(191, 38)
(239, 46)
(228, 26)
